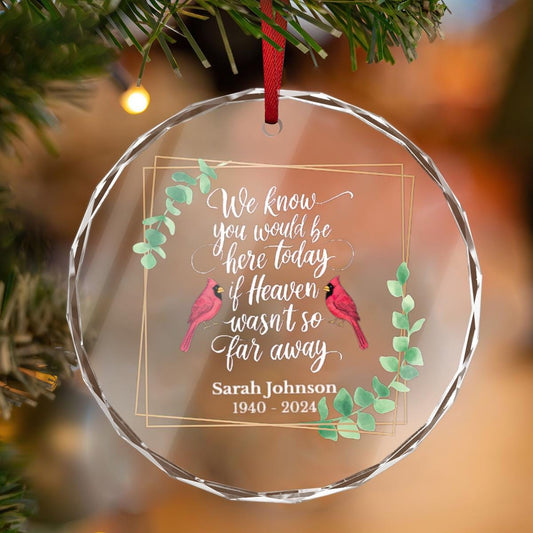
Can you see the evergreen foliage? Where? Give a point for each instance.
(15, 503)
(35, 345)
(41, 50)
(46, 42)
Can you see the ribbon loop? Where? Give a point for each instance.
(272, 60)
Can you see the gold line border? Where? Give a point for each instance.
(340, 168)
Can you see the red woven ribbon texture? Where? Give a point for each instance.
(272, 61)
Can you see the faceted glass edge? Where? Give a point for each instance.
(74, 318)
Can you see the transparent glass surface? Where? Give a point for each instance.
(292, 380)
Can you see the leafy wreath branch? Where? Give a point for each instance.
(182, 193)
(354, 417)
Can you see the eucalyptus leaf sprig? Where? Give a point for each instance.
(182, 193)
(353, 419)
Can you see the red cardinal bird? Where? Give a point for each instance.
(206, 306)
(342, 306)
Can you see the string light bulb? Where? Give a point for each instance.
(135, 100)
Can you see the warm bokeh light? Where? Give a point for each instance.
(135, 100)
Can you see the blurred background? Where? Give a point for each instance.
(466, 101)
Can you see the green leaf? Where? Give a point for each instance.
(152, 220)
(408, 304)
(381, 389)
(389, 363)
(180, 193)
(414, 356)
(417, 326)
(160, 251)
(408, 372)
(188, 194)
(154, 237)
(402, 274)
(171, 208)
(395, 287)
(183, 177)
(141, 247)
(323, 408)
(348, 429)
(400, 344)
(169, 223)
(343, 402)
(383, 406)
(206, 169)
(400, 387)
(205, 184)
(328, 431)
(148, 261)
(366, 422)
(362, 397)
(399, 320)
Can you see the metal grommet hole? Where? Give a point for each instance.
(271, 130)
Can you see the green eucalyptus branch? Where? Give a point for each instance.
(353, 418)
(182, 193)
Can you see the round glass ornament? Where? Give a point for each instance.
(263, 315)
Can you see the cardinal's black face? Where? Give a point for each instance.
(218, 290)
(329, 290)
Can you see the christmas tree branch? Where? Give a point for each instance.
(43, 49)
(374, 25)
(16, 503)
(34, 340)
(42, 42)
(35, 345)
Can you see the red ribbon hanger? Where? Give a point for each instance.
(272, 61)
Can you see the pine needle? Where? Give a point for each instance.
(41, 45)
(45, 41)
(374, 25)
(34, 341)
(16, 503)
